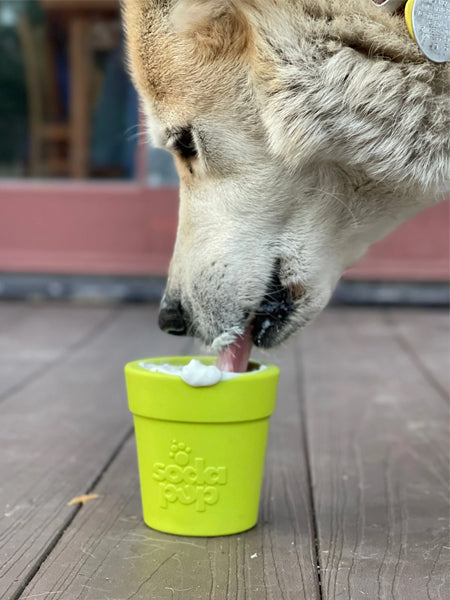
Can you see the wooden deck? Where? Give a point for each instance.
(355, 495)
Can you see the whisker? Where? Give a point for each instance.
(140, 135)
(263, 313)
(129, 129)
(334, 197)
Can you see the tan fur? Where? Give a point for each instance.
(215, 28)
(320, 126)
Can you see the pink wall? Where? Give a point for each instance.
(86, 228)
(128, 229)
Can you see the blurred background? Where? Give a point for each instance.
(88, 209)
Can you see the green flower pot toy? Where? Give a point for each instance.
(200, 449)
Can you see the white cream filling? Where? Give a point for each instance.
(195, 373)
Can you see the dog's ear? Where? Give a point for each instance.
(214, 26)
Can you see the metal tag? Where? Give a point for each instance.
(431, 26)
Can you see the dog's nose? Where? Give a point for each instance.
(171, 319)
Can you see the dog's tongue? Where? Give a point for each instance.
(234, 358)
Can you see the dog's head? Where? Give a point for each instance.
(270, 214)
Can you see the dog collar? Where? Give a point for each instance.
(428, 23)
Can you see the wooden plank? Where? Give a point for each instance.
(10, 312)
(425, 335)
(108, 552)
(378, 441)
(35, 336)
(58, 433)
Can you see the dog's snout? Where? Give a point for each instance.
(171, 318)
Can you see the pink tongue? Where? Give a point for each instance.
(234, 358)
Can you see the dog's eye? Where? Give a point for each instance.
(184, 143)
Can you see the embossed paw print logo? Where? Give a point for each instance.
(187, 479)
(180, 453)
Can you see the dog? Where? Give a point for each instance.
(303, 131)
